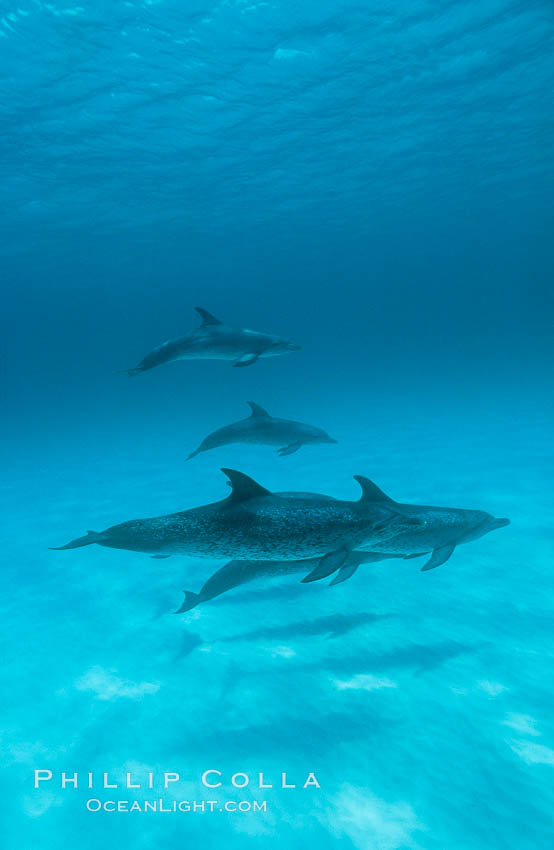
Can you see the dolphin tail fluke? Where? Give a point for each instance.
(90, 537)
(190, 601)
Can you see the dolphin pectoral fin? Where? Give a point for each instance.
(246, 360)
(290, 449)
(160, 557)
(439, 556)
(344, 574)
(190, 601)
(327, 565)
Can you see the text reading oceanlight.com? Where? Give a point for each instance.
(169, 781)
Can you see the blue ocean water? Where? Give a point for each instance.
(375, 182)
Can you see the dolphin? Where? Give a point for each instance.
(255, 524)
(215, 341)
(236, 573)
(263, 429)
(441, 530)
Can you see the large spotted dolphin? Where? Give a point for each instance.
(255, 524)
(214, 340)
(441, 530)
(236, 573)
(262, 429)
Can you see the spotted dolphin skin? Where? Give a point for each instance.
(236, 573)
(214, 340)
(441, 529)
(255, 524)
(262, 429)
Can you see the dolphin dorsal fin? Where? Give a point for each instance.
(244, 487)
(257, 410)
(371, 492)
(207, 318)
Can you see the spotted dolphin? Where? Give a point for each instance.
(255, 524)
(441, 529)
(263, 429)
(214, 340)
(236, 573)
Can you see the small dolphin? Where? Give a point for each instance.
(236, 573)
(255, 524)
(215, 341)
(441, 529)
(263, 429)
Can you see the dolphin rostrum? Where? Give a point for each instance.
(255, 524)
(215, 341)
(442, 529)
(263, 429)
(236, 573)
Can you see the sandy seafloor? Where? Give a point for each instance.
(422, 701)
